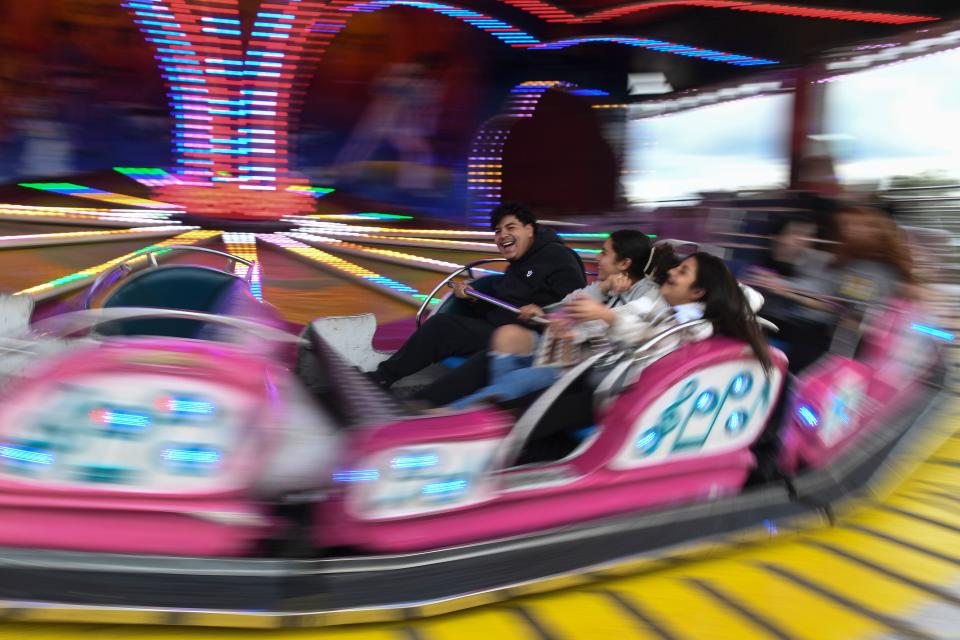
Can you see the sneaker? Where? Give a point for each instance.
(375, 377)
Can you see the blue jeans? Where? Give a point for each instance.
(511, 377)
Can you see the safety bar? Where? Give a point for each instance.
(152, 259)
(467, 267)
(68, 323)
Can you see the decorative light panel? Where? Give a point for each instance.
(81, 278)
(485, 163)
(80, 191)
(391, 287)
(232, 90)
(244, 245)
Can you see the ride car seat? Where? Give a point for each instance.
(182, 287)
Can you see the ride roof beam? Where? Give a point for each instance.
(84, 237)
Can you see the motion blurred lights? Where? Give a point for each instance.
(80, 278)
(662, 46)
(833, 14)
(80, 191)
(244, 245)
(808, 416)
(148, 176)
(232, 89)
(73, 237)
(396, 289)
(485, 164)
(499, 29)
(307, 190)
(554, 14)
(940, 334)
(398, 257)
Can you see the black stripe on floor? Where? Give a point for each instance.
(641, 617)
(903, 543)
(891, 623)
(927, 588)
(945, 462)
(751, 615)
(929, 501)
(930, 494)
(532, 623)
(916, 516)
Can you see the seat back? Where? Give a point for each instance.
(182, 287)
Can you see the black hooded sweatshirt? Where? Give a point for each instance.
(545, 274)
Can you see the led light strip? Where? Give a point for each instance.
(550, 13)
(499, 29)
(662, 46)
(149, 176)
(244, 245)
(384, 255)
(313, 192)
(485, 163)
(82, 237)
(431, 243)
(341, 267)
(233, 86)
(80, 191)
(310, 223)
(88, 217)
(358, 216)
(82, 278)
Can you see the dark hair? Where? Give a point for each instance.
(521, 211)
(726, 306)
(635, 246)
(664, 258)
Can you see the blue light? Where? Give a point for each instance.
(808, 416)
(589, 92)
(444, 488)
(648, 441)
(191, 406)
(356, 475)
(25, 454)
(741, 385)
(192, 455)
(737, 421)
(706, 401)
(117, 418)
(932, 331)
(415, 462)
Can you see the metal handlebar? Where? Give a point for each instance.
(473, 293)
(467, 267)
(151, 257)
(68, 323)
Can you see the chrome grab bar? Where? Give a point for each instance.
(467, 267)
(151, 257)
(68, 323)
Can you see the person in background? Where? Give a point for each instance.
(541, 272)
